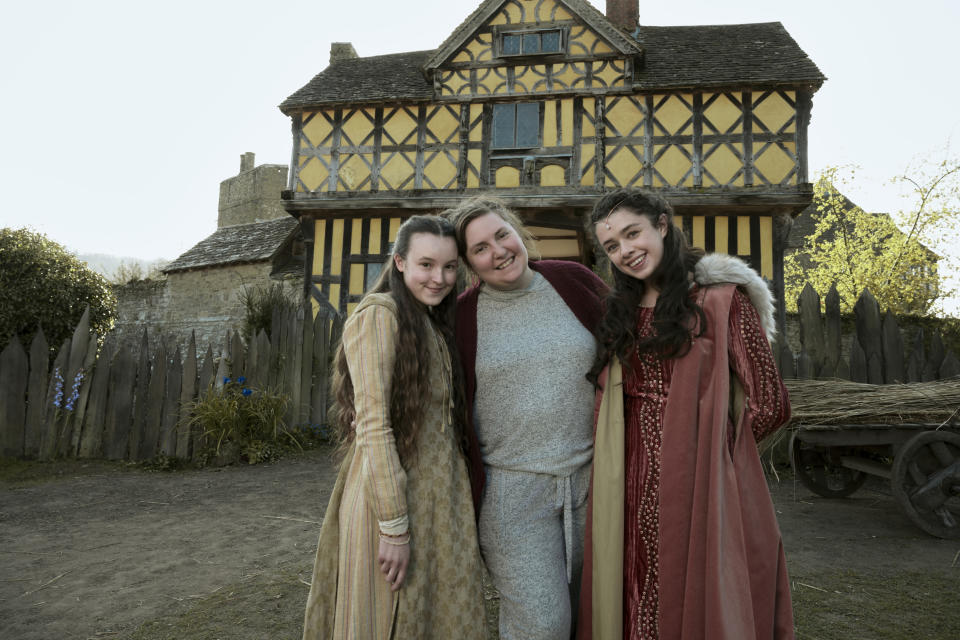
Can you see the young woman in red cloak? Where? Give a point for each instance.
(682, 540)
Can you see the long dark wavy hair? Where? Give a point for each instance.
(677, 318)
(411, 373)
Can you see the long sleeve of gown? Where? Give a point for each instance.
(369, 341)
(752, 362)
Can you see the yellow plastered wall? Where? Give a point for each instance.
(766, 247)
(507, 177)
(552, 176)
(314, 159)
(722, 162)
(556, 243)
(343, 272)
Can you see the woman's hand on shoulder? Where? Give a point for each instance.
(394, 559)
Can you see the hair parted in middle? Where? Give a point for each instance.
(677, 318)
(411, 374)
(472, 208)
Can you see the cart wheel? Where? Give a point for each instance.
(820, 471)
(926, 482)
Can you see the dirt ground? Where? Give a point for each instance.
(104, 551)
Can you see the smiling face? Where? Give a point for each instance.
(632, 242)
(429, 268)
(496, 253)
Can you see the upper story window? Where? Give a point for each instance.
(526, 43)
(516, 126)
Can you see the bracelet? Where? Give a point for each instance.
(397, 541)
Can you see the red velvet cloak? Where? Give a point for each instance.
(721, 562)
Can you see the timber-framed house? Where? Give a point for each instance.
(546, 104)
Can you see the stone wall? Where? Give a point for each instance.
(253, 195)
(205, 301)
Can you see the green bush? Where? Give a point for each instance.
(238, 420)
(43, 284)
(259, 303)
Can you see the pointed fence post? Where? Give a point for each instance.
(950, 367)
(73, 380)
(207, 371)
(811, 330)
(306, 364)
(223, 367)
(788, 368)
(915, 359)
(14, 370)
(56, 395)
(858, 362)
(237, 365)
(293, 364)
(265, 355)
(833, 336)
(188, 393)
(154, 405)
(204, 386)
(931, 371)
(894, 370)
(118, 420)
(869, 328)
(91, 436)
(321, 368)
(171, 406)
(251, 362)
(80, 408)
(36, 394)
(141, 392)
(276, 328)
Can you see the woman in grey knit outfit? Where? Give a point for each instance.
(526, 339)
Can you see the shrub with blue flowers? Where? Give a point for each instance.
(71, 401)
(239, 419)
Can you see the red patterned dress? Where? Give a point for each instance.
(646, 387)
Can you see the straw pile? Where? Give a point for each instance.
(841, 401)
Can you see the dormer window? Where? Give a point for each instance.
(530, 43)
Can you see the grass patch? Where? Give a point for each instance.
(839, 605)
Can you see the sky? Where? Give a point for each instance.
(120, 118)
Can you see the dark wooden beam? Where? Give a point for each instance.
(767, 200)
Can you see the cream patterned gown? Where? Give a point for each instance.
(442, 595)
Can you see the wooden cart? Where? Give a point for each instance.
(922, 462)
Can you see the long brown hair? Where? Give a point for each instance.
(676, 316)
(411, 372)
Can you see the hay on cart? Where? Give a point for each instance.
(825, 402)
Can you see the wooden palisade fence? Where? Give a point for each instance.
(103, 402)
(877, 353)
(114, 406)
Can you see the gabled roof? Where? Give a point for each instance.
(723, 55)
(761, 54)
(586, 11)
(373, 79)
(256, 242)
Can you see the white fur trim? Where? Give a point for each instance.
(719, 268)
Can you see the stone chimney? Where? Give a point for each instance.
(624, 14)
(246, 161)
(344, 51)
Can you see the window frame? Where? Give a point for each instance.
(516, 125)
(500, 31)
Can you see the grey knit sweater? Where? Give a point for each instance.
(534, 407)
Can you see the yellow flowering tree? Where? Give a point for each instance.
(898, 257)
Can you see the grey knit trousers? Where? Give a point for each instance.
(531, 536)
